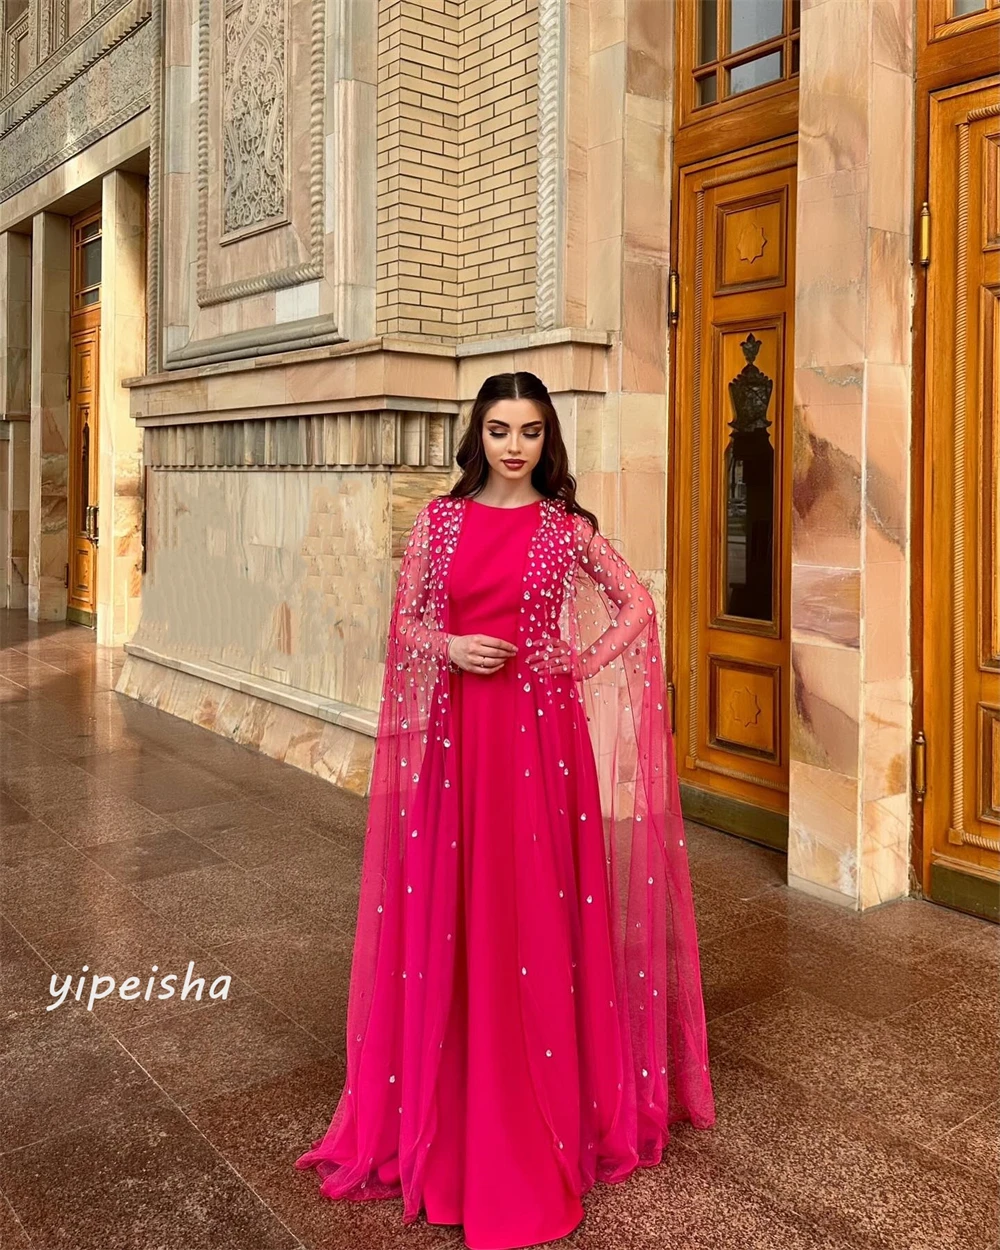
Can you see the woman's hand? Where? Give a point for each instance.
(479, 653)
(553, 656)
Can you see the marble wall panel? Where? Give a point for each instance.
(15, 404)
(283, 575)
(49, 455)
(850, 732)
(122, 355)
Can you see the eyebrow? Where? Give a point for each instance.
(506, 424)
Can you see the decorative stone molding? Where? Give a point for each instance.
(153, 234)
(248, 33)
(51, 27)
(240, 344)
(551, 146)
(112, 23)
(338, 440)
(84, 105)
(13, 37)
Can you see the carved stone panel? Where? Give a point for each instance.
(253, 115)
(260, 146)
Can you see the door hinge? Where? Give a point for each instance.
(919, 766)
(67, 575)
(925, 234)
(672, 703)
(673, 297)
(69, 394)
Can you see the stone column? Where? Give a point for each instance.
(15, 408)
(122, 355)
(621, 437)
(48, 541)
(849, 817)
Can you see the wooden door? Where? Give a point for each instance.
(732, 466)
(84, 460)
(961, 637)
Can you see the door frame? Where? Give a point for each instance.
(760, 121)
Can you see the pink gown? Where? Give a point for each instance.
(492, 1163)
(525, 1014)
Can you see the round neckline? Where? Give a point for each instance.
(500, 508)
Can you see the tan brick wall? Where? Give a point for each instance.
(418, 168)
(456, 167)
(499, 82)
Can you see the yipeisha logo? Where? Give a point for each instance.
(103, 986)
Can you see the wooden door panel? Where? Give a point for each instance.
(752, 232)
(83, 464)
(745, 708)
(962, 493)
(84, 414)
(732, 466)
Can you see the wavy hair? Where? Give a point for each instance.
(551, 476)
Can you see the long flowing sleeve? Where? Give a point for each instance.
(415, 634)
(613, 574)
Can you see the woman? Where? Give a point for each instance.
(525, 1013)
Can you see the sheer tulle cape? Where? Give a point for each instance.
(576, 587)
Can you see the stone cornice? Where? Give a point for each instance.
(564, 335)
(385, 374)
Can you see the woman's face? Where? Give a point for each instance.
(513, 434)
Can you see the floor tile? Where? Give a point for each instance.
(149, 1181)
(261, 1131)
(220, 1048)
(975, 1143)
(61, 1071)
(306, 976)
(224, 904)
(53, 889)
(837, 1169)
(686, 1202)
(860, 1063)
(159, 854)
(12, 1234)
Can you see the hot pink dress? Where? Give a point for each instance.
(492, 1164)
(525, 1014)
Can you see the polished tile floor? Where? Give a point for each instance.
(856, 1060)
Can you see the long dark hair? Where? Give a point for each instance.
(551, 476)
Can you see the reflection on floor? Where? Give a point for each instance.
(855, 1059)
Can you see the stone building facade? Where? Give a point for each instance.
(74, 140)
(742, 241)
